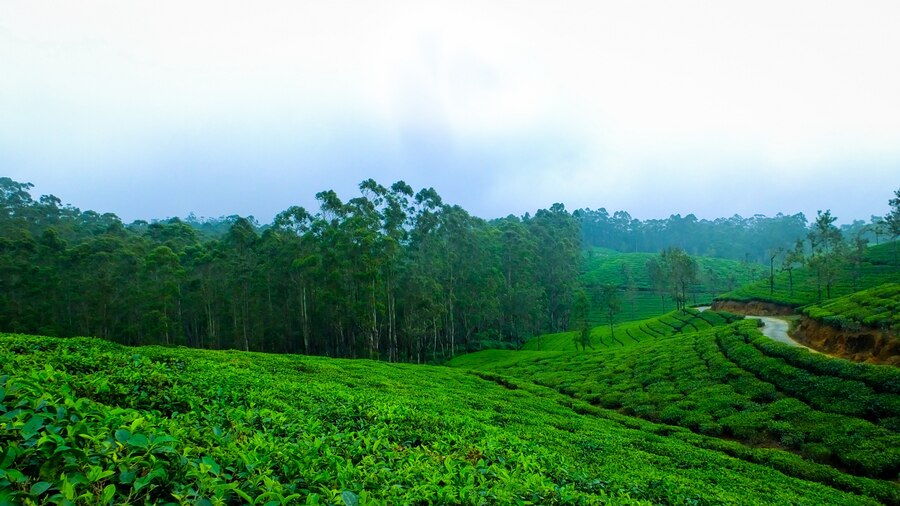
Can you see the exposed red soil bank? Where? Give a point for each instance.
(865, 344)
(755, 308)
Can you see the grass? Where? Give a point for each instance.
(85, 421)
(877, 307)
(728, 382)
(878, 267)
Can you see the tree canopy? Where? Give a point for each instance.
(390, 273)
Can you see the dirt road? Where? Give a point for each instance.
(774, 328)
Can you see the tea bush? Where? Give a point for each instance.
(83, 421)
(719, 382)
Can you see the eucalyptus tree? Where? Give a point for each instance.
(394, 211)
(163, 269)
(855, 255)
(658, 281)
(523, 298)
(423, 301)
(609, 300)
(679, 271)
(558, 240)
(294, 228)
(241, 260)
(892, 220)
(773, 254)
(792, 258)
(827, 246)
(631, 287)
(580, 310)
(205, 295)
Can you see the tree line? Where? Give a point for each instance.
(737, 238)
(391, 274)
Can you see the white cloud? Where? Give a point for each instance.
(544, 101)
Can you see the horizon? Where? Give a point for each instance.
(35, 194)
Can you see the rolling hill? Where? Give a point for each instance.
(878, 266)
(726, 381)
(633, 332)
(639, 299)
(85, 421)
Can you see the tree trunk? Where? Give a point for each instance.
(304, 316)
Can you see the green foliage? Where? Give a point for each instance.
(730, 381)
(877, 378)
(640, 298)
(738, 238)
(876, 268)
(630, 333)
(389, 274)
(877, 307)
(84, 421)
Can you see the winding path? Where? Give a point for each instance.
(774, 328)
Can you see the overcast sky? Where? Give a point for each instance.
(158, 109)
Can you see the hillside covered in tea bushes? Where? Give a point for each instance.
(86, 421)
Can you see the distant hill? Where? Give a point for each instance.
(629, 272)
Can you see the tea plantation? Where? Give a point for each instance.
(805, 414)
(607, 267)
(630, 333)
(877, 307)
(84, 421)
(879, 265)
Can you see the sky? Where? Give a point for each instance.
(159, 109)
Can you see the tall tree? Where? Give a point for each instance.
(792, 258)
(558, 240)
(826, 244)
(773, 254)
(658, 281)
(631, 288)
(680, 271)
(241, 259)
(609, 300)
(580, 310)
(892, 220)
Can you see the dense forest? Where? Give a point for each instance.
(391, 273)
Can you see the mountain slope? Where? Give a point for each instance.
(640, 300)
(878, 266)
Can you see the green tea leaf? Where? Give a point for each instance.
(32, 426)
(138, 441)
(8, 457)
(349, 498)
(127, 477)
(108, 493)
(39, 488)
